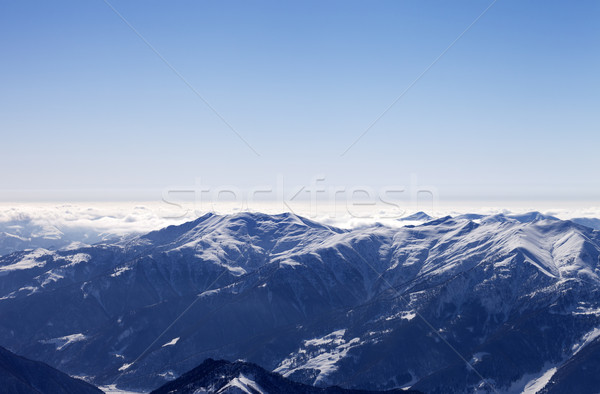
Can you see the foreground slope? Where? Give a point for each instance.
(219, 376)
(580, 373)
(374, 307)
(19, 375)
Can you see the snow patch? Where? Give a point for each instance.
(408, 315)
(477, 357)
(537, 384)
(51, 277)
(290, 263)
(63, 342)
(77, 259)
(244, 384)
(112, 389)
(168, 375)
(587, 338)
(28, 261)
(171, 342)
(319, 354)
(533, 382)
(120, 270)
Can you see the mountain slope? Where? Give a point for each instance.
(580, 373)
(19, 375)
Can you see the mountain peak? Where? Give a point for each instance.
(417, 216)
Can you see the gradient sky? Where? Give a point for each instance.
(511, 110)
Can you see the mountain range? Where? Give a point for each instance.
(500, 303)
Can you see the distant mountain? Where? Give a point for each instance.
(225, 377)
(588, 222)
(24, 233)
(17, 239)
(530, 217)
(418, 216)
(470, 216)
(19, 375)
(368, 308)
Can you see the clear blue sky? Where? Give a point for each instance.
(511, 109)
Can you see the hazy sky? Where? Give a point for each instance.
(511, 109)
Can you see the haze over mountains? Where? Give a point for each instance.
(455, 304)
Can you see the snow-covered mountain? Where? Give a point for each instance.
(53, 227)
(418, 216)
(21, 234)
(223, 377)
(502, 303)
